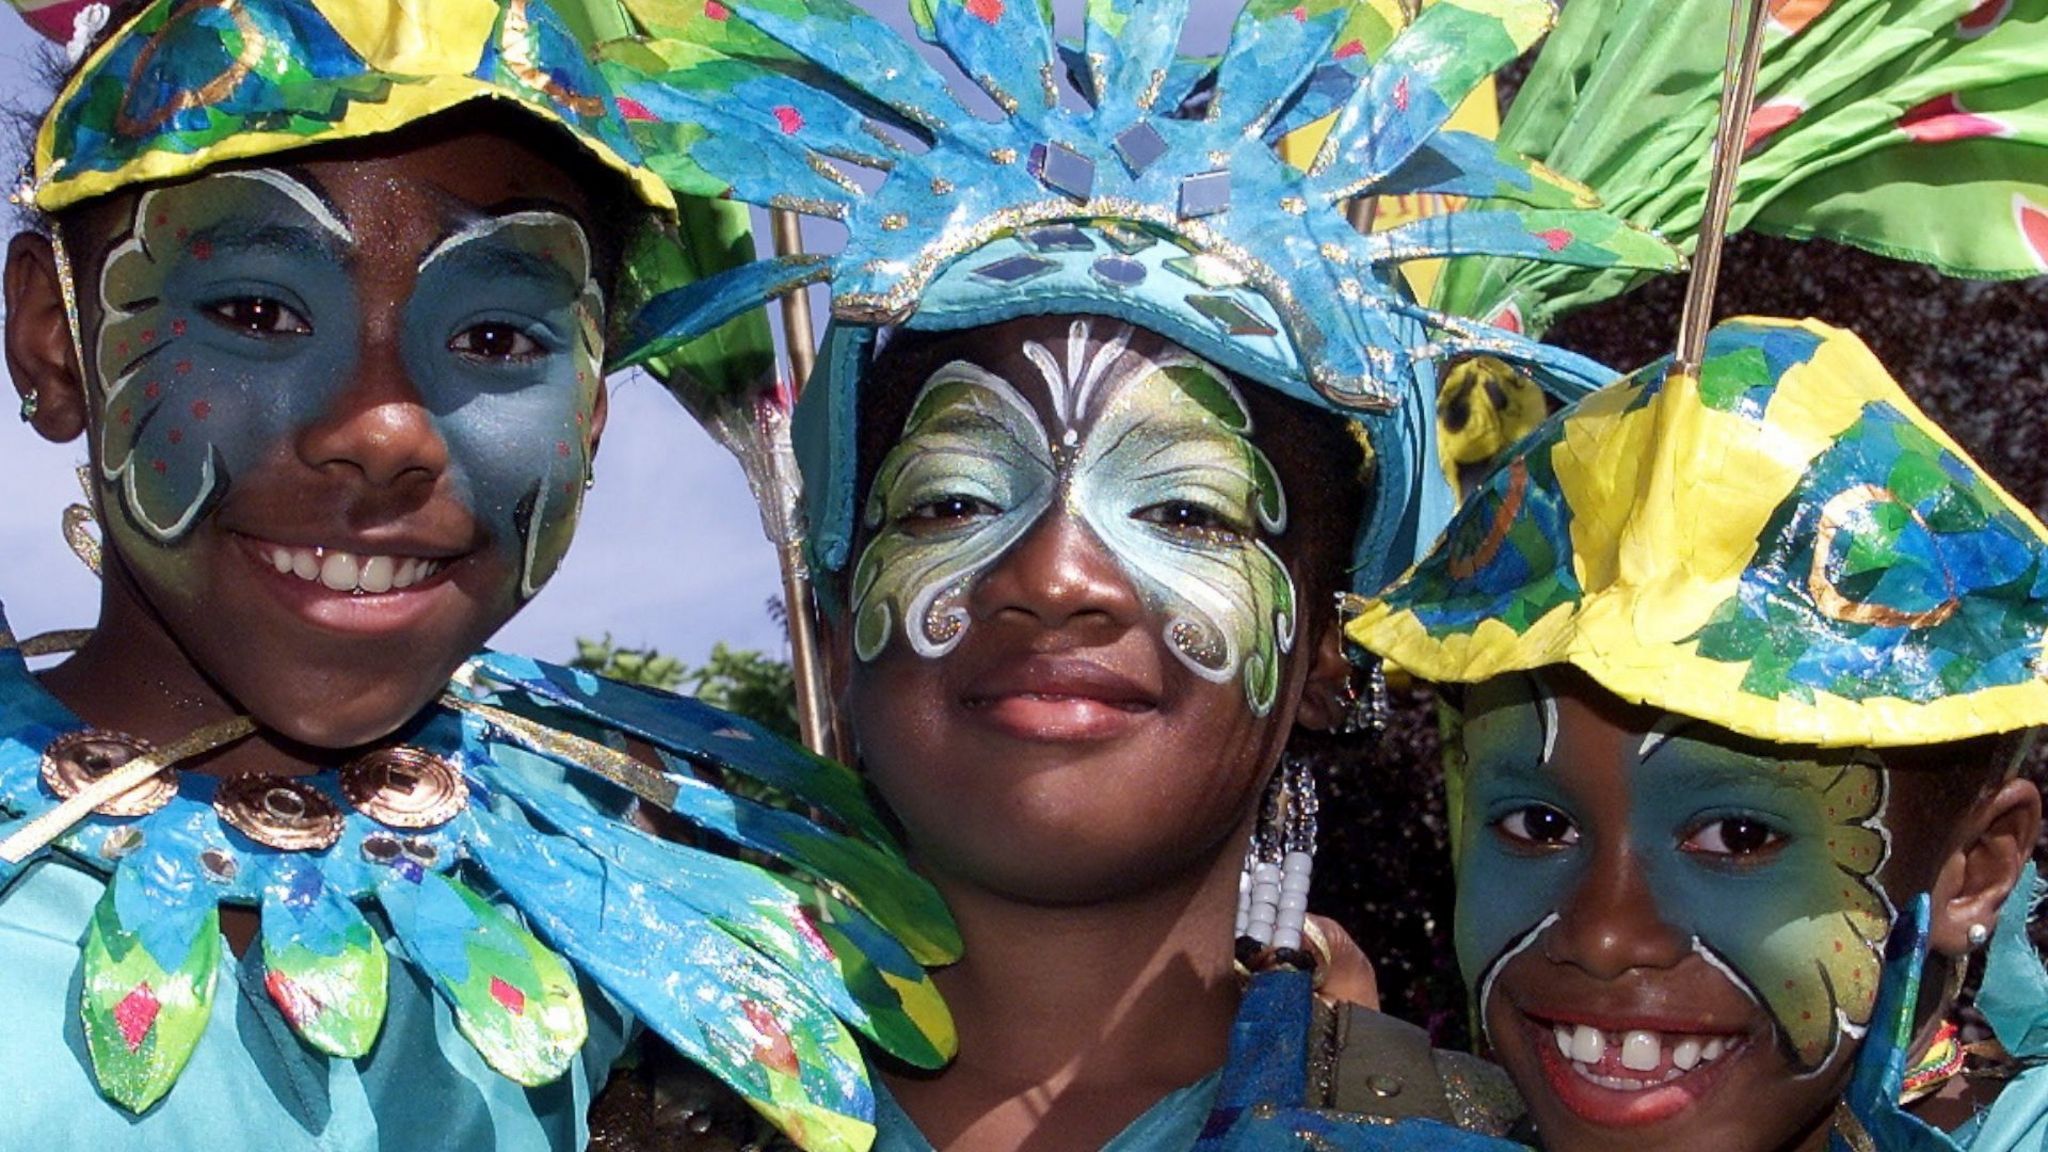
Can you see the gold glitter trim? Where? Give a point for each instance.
(620, 768)
(1003, 99)
(77, 517)
(1334, 252)
(51, 643)
(941, 186)
(809, 207)
(1003, 155)
(895, 222)
(830, 171)
(1050, 83)
(1293, 205)
(1150, 95)
(900, 301)
(1851, 1130)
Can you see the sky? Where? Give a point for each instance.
(669, 554)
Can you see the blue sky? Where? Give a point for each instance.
(670, 552)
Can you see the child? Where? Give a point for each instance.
(327, 286)
(1747, 658)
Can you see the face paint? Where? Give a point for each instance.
(1769, 864)
(230, 324)
(1153, 456)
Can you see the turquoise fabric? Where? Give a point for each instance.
(252, 1084)
(1171, 1125)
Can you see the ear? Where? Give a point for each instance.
(600, 412)
(39, 352)
(1994, 844)
(1323, 697)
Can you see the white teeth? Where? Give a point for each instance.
(1588, 1046)
(347, 572)
(339, 571)
(1640, 1051)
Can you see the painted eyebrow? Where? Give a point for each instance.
(234, 237)
(476, 227)
(1724, 775)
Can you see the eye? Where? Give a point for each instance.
(1741, 836)
(1189, 518)
(496, 341)
(1539, 825)
(258, 316)
(940, 513)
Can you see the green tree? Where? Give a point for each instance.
(738, 680)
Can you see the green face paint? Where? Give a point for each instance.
(1153, 456)
(1768, 862)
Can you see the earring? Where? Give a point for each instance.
(1364, 710)
(31, 403)
(1272, 893)
(1978, 936)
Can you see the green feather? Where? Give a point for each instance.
(143, 1017)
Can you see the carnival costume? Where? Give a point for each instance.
(453, 925)
(1785, 547)
(1204, 199)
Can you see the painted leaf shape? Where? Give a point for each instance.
(774, 917)
(147, 991)
(718, 1002)
(323, 964)
(513, 998)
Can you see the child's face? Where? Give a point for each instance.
(342, 416)
(1070, 611)
(1675, 934)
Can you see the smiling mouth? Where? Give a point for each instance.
(1637, 1059)
(340, 570)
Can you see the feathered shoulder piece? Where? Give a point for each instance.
(493, 841)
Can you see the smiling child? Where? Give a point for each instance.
(328, 290)
(1748, 660)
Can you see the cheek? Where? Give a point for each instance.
(1503, 900)
(519, 456)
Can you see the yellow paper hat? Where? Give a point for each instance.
(1784, 546)
(185, 86)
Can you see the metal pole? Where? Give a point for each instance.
(813, 695)
(1738, 96)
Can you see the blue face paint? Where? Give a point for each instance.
(1768, 863)
(230, 324)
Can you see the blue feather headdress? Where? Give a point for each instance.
(1159, 197)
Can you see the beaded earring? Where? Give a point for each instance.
(1272, 892)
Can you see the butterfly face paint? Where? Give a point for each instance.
(1765, 866)
(1154, 456)
(230, 324)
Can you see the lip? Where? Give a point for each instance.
(1607, 1107)
(1058, 698)
(354, 612)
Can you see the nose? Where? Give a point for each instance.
(1059, 575)
(379, 430)
(1610, 923)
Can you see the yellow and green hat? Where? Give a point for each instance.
(1784, 546)
(184, 86)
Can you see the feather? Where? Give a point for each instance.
(151, 959)
(515, 1000)
(323, 965)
